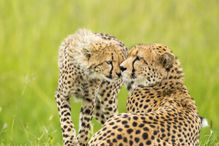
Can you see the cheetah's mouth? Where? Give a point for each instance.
(109, 77)
(129, 78)
(132, 81)
(95, 75)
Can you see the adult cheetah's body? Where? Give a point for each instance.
(160, 110)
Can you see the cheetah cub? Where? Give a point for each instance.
(88, 69)
(160, 110)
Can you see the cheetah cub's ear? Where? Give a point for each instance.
(167, 60)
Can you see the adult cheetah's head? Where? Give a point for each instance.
(104, 59)
(147, 64)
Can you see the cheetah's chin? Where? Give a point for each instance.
(99, 76)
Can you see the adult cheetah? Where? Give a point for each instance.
(88, 69)
(160, 110)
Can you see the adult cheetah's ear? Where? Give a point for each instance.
(167, 60)
(87, 53)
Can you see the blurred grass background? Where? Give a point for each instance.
(32, 30)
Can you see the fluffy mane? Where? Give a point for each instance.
(75, 45)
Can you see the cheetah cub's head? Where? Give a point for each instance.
(147, 65)
(104, 59)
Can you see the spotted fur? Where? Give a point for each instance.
(89, 70)
(160, 109)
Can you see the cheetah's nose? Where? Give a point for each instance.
(122, 68)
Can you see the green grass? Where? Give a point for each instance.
(31, 32)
